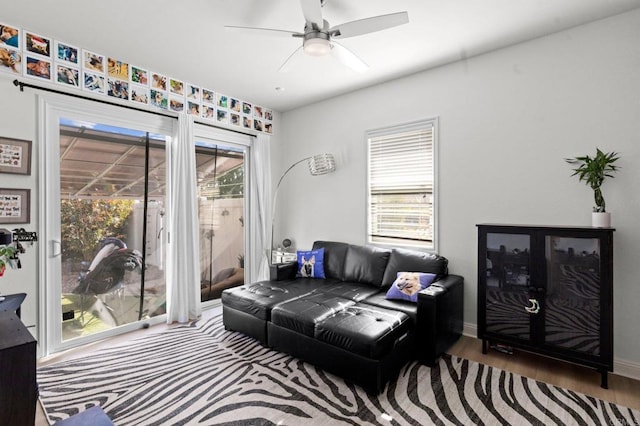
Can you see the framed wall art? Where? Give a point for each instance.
(15, 156)
(15, 205)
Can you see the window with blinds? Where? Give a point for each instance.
(401, 209)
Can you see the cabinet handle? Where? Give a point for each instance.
(534, 308)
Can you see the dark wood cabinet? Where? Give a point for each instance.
(548, 290)
(18, 388)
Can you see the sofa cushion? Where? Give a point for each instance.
(311, 263)
(415, 261)
(364, 329)
(346, 290)
(257, 299)
(408, 284)
(380, 300)
(366, 264)
(334, 256)
(303, 313)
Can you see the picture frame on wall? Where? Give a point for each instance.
(93, 62)
(93, 82)
(159, 82)
(140, 94)
(10, 36)
(37, 44)
(208, 96)
(10, 60)
(15, 205)
(139, 75)
(159, 99)
(37, 67)
(68, 76)
(67, 53)
(117, 69)
(15, 156)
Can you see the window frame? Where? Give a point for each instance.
(390, 130)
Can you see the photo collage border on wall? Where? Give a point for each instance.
(42, 58)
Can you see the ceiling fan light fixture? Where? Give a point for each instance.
(317, 46)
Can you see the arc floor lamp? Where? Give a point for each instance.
(320, 164)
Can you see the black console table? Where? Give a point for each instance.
(18, 388)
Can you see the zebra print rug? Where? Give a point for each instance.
(202, 374)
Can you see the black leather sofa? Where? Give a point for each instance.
(343, 323)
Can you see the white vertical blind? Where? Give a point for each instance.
(401, 184)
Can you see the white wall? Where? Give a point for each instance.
(507, 120)
(17, 120)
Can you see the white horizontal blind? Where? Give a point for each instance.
(401, 185)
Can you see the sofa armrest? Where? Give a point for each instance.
(283, 271)
(450, 282)
(440, 318)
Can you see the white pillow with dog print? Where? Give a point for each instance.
(408, 284)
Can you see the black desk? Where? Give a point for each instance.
(18, 388)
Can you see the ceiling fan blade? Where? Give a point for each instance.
(348, 58)
(312, 11)
(264, 31)
(369, 25)
(292, 60)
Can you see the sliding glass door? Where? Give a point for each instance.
(104, 210)
(221, 190)
(112, 207)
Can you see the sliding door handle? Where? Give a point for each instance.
(56, 244)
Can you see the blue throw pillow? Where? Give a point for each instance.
(311, 263)
(408, 284)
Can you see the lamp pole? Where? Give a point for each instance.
(320, 164)
(273, 207)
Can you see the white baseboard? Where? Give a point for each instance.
(470, 330)
(621, 367)
(625, 368)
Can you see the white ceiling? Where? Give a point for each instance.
(186, 39)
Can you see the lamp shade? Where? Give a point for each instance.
(322, 164)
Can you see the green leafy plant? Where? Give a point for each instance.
(84, 223)
(7, 254)
(593, 171)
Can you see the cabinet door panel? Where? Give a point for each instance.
(506, 313)
(572, 308)
(507, 284)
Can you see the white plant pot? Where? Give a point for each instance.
(601, 219)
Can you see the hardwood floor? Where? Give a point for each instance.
(622, 390)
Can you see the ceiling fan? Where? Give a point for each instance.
(318, 38)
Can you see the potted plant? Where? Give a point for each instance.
(7, 257)
(593, 171)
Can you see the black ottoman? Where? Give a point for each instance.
(364, 329)
(303, 314)
(247, 309)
